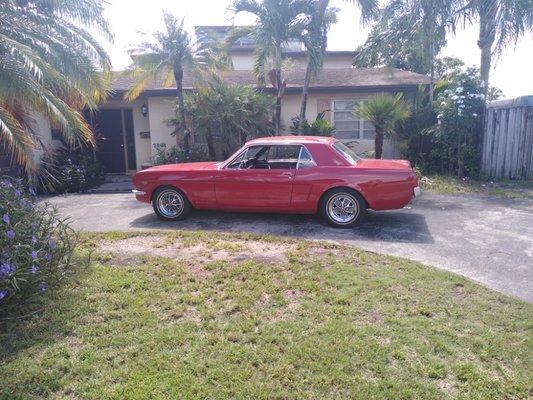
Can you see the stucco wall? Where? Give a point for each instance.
(322, 101)
(244, 61)
(160, 110)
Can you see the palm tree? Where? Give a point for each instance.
(501, 22)
(279, 22)
(51, 65)
(384, 111)
(315, 38)
(166, 58)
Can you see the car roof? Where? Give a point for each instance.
(291, 139)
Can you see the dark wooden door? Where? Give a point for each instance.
(111, 140)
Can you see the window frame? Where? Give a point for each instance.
(360, 132)
(244, 150)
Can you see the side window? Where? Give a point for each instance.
(305, 160)
(247, 158)
(283, 157)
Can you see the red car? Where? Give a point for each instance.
(286, 174)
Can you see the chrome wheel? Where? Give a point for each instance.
(170, 203)
(342, 208)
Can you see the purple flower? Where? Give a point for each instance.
(34, 269)
(5, 218)
(3, 294)
(52, 243)
(34, 254)
(47, 256)
(33, 239)
(17, 192)
(42, 287)
(5, 270)
(32, 192)
(24, 203)
(34, 225)
(10, 234)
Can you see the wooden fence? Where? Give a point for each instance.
(508, 139)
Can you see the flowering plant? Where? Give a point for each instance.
(35, 244)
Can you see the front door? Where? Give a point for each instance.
(114, 129)
(261, 178)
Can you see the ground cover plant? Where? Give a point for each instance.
(208, 315)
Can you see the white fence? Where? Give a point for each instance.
(508, 139)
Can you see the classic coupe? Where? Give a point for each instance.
(282, 174)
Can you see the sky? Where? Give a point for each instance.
(129, 19)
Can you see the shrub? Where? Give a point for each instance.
(179, 155)
(319, 127)
(69, 171)
(36, 245)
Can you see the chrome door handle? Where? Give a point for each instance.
(287, 174)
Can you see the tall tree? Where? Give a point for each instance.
(501, 22)
(49, 64)
(165, 58)
(279, 22)
(384, 111)
(410, 32)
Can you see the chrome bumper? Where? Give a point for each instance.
(417, 192)
(138, 192)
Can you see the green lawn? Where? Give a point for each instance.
(206, 315)
(503, 188)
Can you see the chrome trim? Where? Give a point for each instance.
(417, 192)
(138, 192)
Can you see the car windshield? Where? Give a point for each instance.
(346, 152)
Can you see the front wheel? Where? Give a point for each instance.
(343, 208)
(170, 204)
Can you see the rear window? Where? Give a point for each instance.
(348, 154)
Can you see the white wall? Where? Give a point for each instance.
(244, 61)
(317, 102)
(160, 110)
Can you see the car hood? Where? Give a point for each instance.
(193, 166)
(370, 163)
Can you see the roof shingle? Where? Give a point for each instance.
(355, 78)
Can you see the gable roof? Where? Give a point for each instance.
(342, 79)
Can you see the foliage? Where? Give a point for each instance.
(319, 127)
(459, 107)
(270, 320)
(384, 111)
(227, 115)
(35, 245)
(279, 22)
(68, 171)
(52, 65)
(165, 59)
(174, 155)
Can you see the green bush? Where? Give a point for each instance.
(69, 171)
(174, 155)
(36, 245)
(319, 127)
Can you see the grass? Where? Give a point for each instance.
(206, 315)
(502, 188)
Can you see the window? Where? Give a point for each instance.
(305, 160)
(346, 152)
(347, 125)
(267, 157)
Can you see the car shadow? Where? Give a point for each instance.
(403, 226)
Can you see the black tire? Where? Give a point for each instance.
(172, 212)
(342, 219)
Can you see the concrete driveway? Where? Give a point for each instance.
(487, 239)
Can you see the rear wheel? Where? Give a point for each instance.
(343, 208)
(170, 204)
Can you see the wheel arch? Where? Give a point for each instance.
(344, 187)
(166, 185)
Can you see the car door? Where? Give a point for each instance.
(264, 186)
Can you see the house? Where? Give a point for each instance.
(130, 134)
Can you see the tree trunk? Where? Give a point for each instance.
(431, 69)
(487, 33)
(305, 92)
(182, 128)
(378, 143)
(277, 121)
(210, 146)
